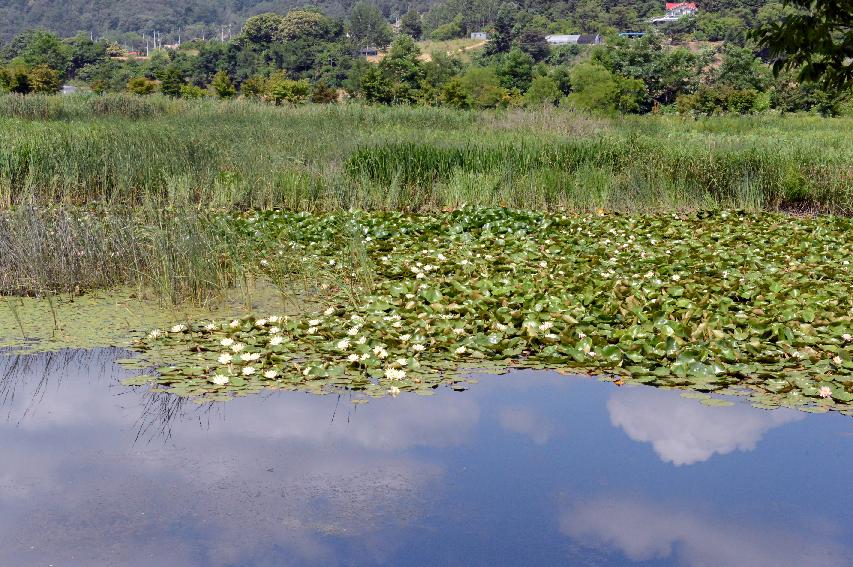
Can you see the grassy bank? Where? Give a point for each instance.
(124, 150)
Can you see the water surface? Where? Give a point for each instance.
(526, 468)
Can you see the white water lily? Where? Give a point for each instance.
(209, 327)
(364, 357)
(837, 359)
(314, 322)
(250, 356)
(270, 374)
(180, 328)
(329, 311)
(825, 392)
(546, 325)
(276, 340)
(220, 379)
(394, 391)
(353, 358)
(248, 370)
(461, 350)
(274, 318)
(225, 358)
(237, 347)
(312, 330)
(155, 333)
(395, 373)
(459, 331)
(405, 338)
(847, 337)
(306, 371)
(343, 344)
(380, 352)
(418, 347)
(361, 340)
(234, 323)
(274, 330)
(227, 342)
(261, 322)
(354, 331)
(402, 361)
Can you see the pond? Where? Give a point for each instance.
(531, 467)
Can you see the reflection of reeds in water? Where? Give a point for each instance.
(31, 374)
(26, 379)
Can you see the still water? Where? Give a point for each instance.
(529, 468)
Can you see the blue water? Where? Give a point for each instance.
(530, 468)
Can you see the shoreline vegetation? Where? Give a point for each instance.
(123, 149)
(668, 243)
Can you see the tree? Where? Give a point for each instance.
(375, 87)
(309, 24)
(815, 38)
(542, 91)
(532, 41)
(45, 48)
(403, 68)
(504, 34)
(263, 29)
(141, 86)
(593, 88)
(222, 85)
(368, 27)
(454, 95)
(411, 24)
(450, 30)
(483, 87)
(172, 82)
(281, 89)
(740, 69)
(323, 94)
(516, 70)
(44, 80)
(15, 79)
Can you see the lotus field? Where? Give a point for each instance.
(751, 304)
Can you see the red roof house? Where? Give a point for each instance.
(686, 5)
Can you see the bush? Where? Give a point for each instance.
(141, 86)
(281, 89)
(192, 92)
(448, 31)
(323, 94)
(222, 85)
(542, 91)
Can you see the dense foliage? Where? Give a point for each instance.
(705, 62)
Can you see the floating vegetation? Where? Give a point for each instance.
(726, 302)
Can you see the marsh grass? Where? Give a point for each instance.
(187, 256)
(238, 154)
(97, 192)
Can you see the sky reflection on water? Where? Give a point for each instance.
(527, 468)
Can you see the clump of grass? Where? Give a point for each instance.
(180, 256)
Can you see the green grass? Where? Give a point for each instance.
(240, 155)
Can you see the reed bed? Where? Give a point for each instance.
(122, 190)
(239, 154)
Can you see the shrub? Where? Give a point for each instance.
(141, 86)
(222, 85)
